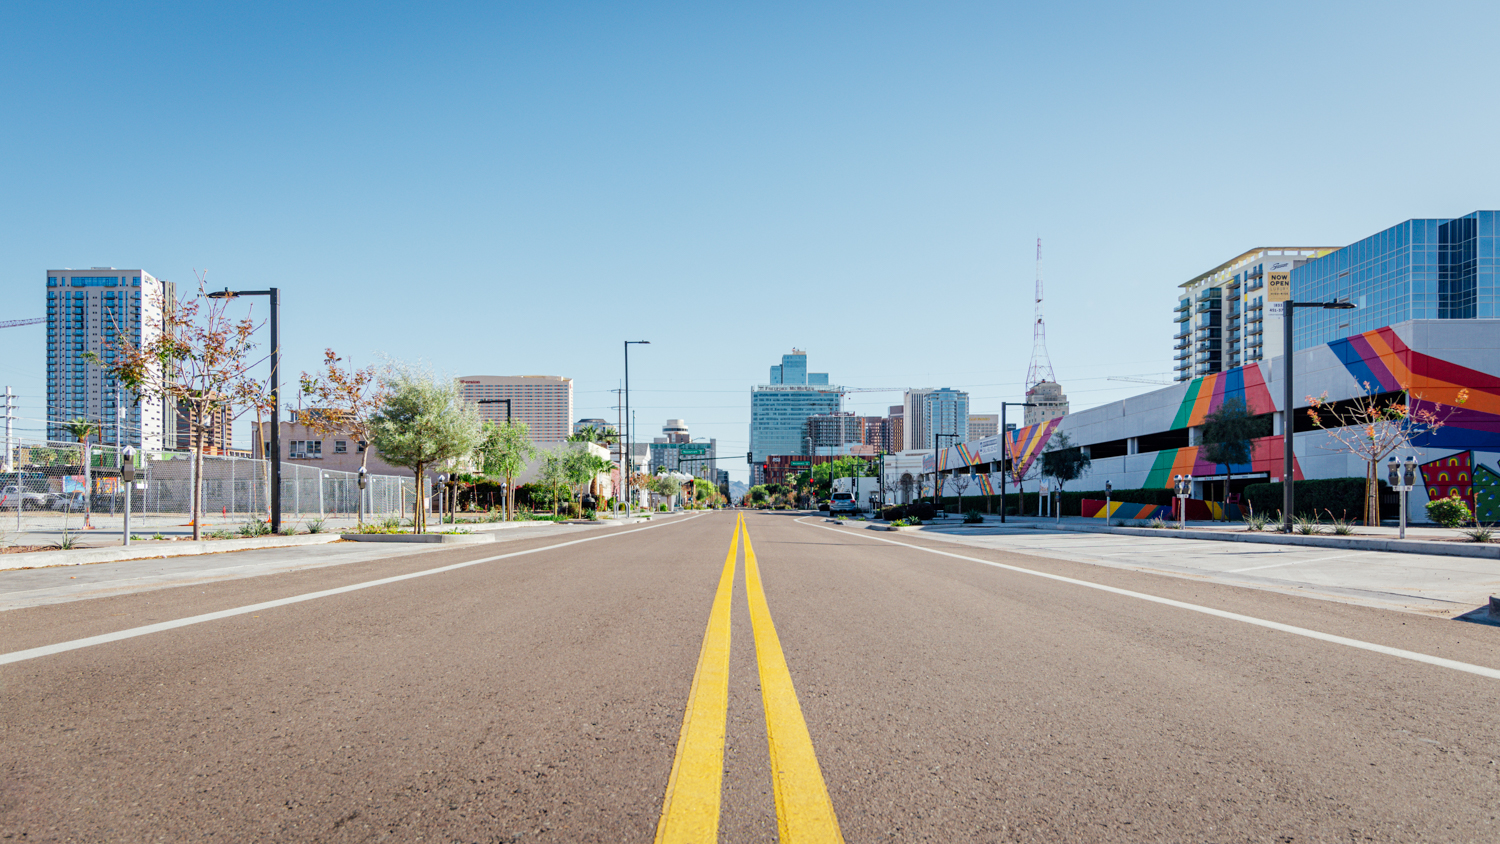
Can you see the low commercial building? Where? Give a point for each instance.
(1449, 368)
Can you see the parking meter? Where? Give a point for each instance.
(127, 480)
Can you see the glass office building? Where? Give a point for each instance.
(1419, 269)
(89, 311)
(779, 410)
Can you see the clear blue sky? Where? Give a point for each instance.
(500, 189)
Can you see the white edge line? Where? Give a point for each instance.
(1469, 668)
(131, 633)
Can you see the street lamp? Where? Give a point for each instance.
(629, 426)
(1005, 451)
(1288, 308)
(937, 497)
(275, 295)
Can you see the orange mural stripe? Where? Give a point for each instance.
(1204, 399)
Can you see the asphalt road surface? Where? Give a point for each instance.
(910, 690)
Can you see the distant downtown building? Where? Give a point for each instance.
(929, 413)
(1047, 402)
(596, 424)
(543, 402)
(675, 451)
(88, 311)
(1222, 316)
(780, 408)
(834, 433)
(983, 425)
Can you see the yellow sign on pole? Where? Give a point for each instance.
(1278, 287)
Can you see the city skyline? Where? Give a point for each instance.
(900, 156)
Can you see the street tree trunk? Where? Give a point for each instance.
(419, 508)
(197, 491)
(1372, 496)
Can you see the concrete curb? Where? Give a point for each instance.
(151, 550)
(422, 538)
(1486, 551)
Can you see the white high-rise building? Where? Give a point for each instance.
(1224, 317)
(543, 402)
(88, 311)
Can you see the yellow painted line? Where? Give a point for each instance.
(690, 811)
(804, 814)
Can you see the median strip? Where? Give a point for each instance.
(690, 811)
(804, 812)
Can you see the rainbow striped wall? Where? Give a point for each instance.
(1467, 400)
(1207, 394)
(1026, 445)
(1265, 457)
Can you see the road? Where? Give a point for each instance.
(536, 691)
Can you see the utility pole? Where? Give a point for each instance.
(10, 445)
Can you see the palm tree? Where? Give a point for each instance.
(82, 430)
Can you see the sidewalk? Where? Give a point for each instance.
(1417, 580)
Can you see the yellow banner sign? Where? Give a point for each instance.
(1278, 287)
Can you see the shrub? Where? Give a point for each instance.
(316, 525)
(1449, 512)
(1336, 495)
(255, 528)
(973, 517)
(922, 510)
(892, 514)
(1479, 533)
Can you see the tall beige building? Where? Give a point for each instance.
(1049, 401)
(544, 402)
(983, 425)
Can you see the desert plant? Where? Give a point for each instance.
(68, 542)
(288, 530)
(1307, 526)
(1342, 527)
(1256, 521)
(1479, 533)
(219, 534)
(157, 536)
(973, 517)
(255, 527)
(1157, 523)
(1449, 512)
(316, 525)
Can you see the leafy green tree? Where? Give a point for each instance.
(552, 473)
(1063, 461)
(423, 421)
(504, 454)
(1228, 437)
(821, 475)
(591, 434)
(581, 467)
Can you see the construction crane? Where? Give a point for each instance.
(13, 323)
(1142, 379)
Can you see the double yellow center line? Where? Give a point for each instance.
(690, 812)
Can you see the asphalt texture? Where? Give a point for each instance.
(540, 698)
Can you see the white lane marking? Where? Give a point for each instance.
(60, 647)
(1469, 668)
(1300, 562)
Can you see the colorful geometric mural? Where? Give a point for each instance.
(1207, 394)
(1265, 456)
(1026, 444)
(1197, 510)
(1466, 400)
(1448, 475)
(1486, 494)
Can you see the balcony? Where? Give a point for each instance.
(1183, 333)
(1184, 305)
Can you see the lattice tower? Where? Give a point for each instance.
(1041, 365)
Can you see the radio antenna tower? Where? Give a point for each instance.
(1041, 365)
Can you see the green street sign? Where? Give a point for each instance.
(691, 451)
(801, 462)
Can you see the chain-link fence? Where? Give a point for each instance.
(45, 487)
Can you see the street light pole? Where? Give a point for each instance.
(1005, 451)
(629, 433)
(1289, 307)
(274, 294)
